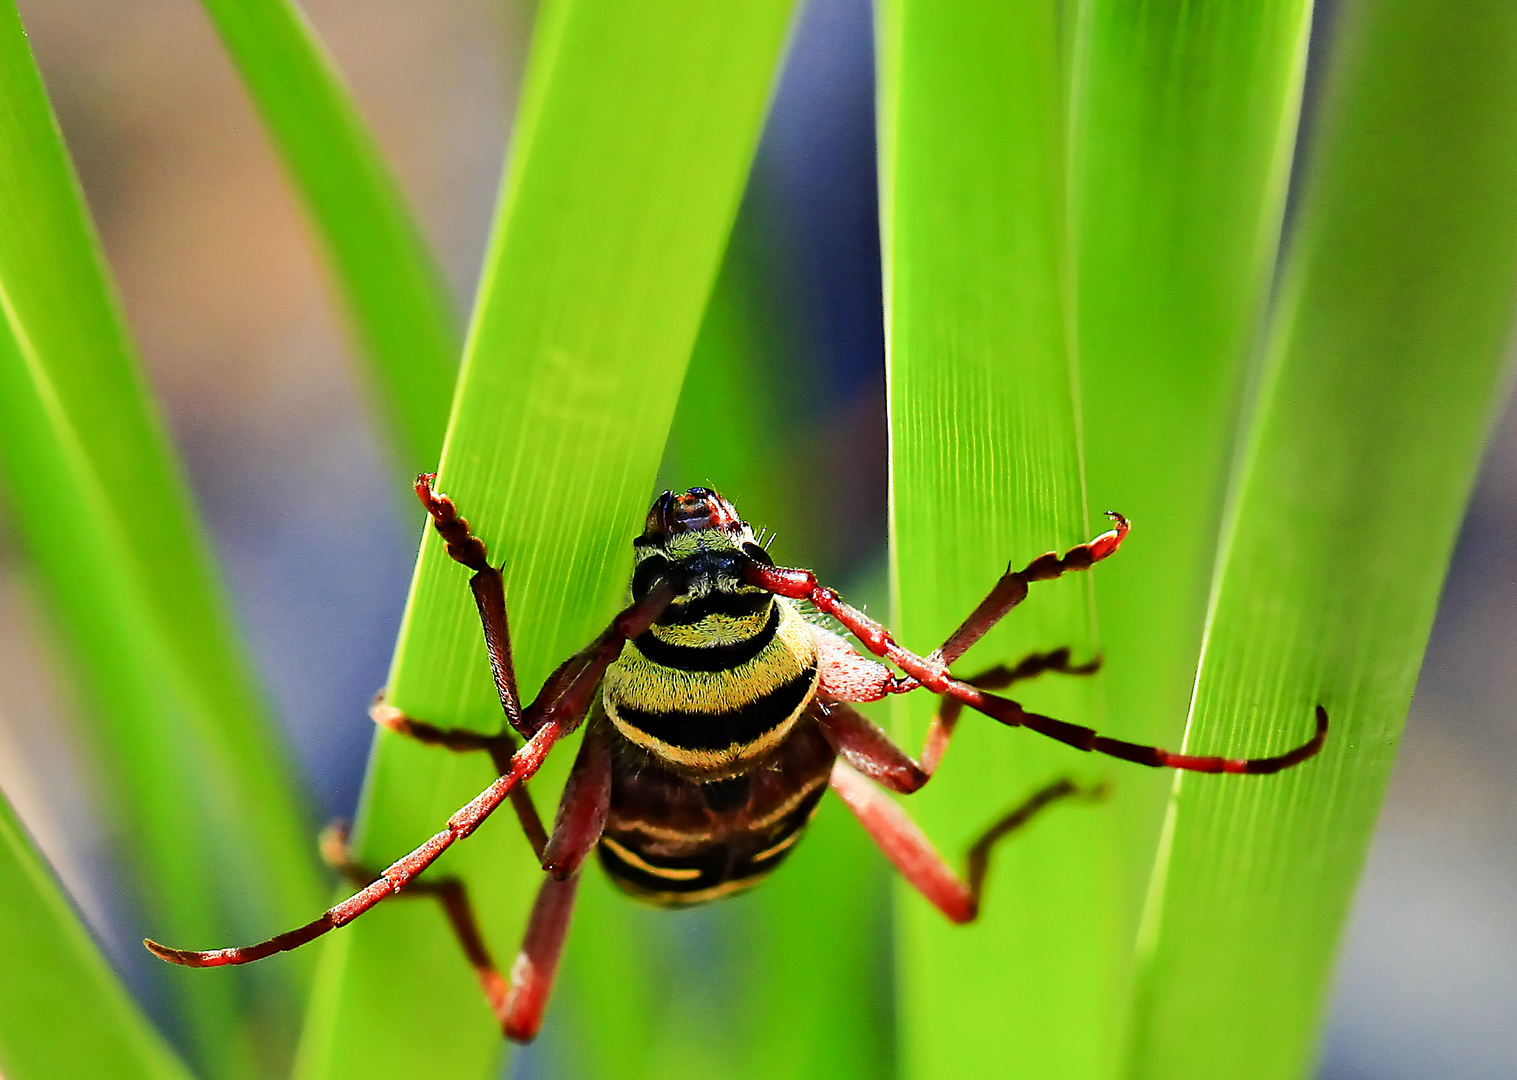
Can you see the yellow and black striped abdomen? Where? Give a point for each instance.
(716, 683)
(671, 840)
(676, 871)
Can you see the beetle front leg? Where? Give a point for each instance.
(857, 679)
(549, 718)
(488, 588)
(933, 673)
(1011, 590)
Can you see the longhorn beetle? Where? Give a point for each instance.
(721, 717)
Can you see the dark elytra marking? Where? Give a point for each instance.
(708, 657)
(646, 573)
(711, 864)
(733, 605)
(719, 730)
(725, 796)
(719, 864)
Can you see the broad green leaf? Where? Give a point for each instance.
(390, 284)
(195, 780)
(986, 470)
(63, 1012)
(637, 124)
(1384, 361)
(1183, 132)
(735, 423)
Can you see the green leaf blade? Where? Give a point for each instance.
(637, 126)
(54, 979)
(195, 771)
(391, 285)
(1183, 138)
(1385, 364)
(986, 471)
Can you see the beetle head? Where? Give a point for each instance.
(696, 510)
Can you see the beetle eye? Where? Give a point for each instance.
(648, 571)
(757, 554)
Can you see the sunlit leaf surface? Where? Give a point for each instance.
(986, 470)
(1384, 361)
(1184, 126)
(637, 125)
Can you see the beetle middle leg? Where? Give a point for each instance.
(950, 708)
(870, 750)
(500, 747)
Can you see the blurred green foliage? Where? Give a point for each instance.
(189, 764)
(67, 978)
(392, 290)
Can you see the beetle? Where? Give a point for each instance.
(718, 715)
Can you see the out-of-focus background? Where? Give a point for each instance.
(226, 294)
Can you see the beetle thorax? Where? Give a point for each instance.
(723, 674)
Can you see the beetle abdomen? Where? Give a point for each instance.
(673, 841)
(679, 873)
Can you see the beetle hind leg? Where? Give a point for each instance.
(450, 892)
(500, 746)
(521, 1008)
(518, 1003)
(907, 847)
